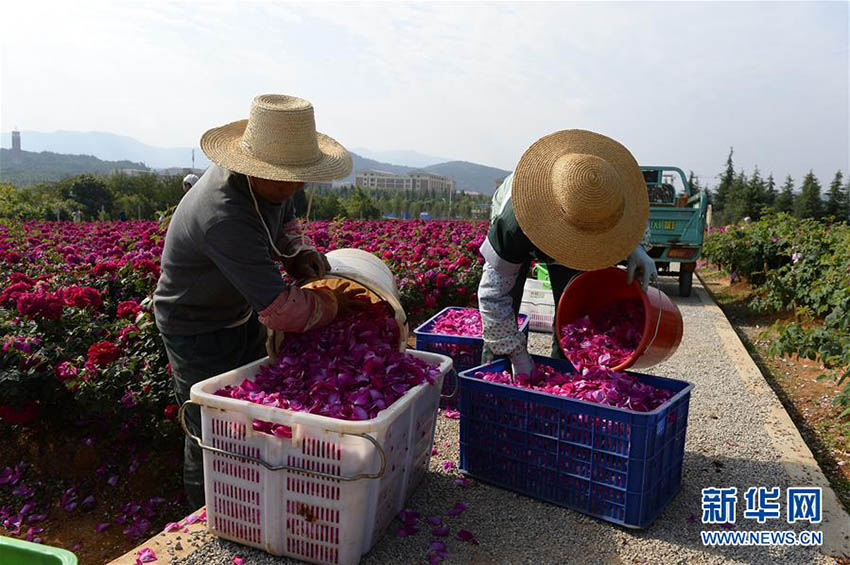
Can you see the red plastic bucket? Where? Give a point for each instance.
(593, 290)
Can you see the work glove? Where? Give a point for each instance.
(273, 343)
(307, 265)
(521, 364)
(348, 298)
(639, 259)
(487, 355)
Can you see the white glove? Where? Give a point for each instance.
(640, 260)
(521, 363)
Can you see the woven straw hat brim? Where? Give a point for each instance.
(223, 146)
(543, 220)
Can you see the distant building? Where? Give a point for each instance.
(132, 172)
(179, 171)
(16, 143)
(415, 181)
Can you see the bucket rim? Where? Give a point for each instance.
(648, 317)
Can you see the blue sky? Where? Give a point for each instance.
(677, 83)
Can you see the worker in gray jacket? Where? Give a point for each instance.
(221, 293)
(577, 201)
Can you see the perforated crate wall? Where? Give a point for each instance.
(615, 464)
(311, 518)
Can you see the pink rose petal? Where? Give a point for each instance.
(466, 535)
(146, 555)
(457, 509)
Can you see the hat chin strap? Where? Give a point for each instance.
(301, 246)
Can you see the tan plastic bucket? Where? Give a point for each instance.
(363, 269)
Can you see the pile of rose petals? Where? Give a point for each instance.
(606, 338)
(461, 321)
(348, 370)
(599, 385)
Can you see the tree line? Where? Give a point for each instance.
(92, 197)
(362, 203)
(148, 196)
(739, 196)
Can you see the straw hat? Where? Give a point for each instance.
(580, 197)
(278, 141)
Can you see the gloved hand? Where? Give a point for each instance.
(273, 343)
(307, 265)
(487, 355)
(348, 298)
(521, 363)
(639, 259)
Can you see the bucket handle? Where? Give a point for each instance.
(657, 322)
(182, 416)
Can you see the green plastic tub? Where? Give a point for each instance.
(20, 552)
(541, 273)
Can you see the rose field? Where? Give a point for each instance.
(90, 451)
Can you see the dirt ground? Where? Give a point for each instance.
(55, 463)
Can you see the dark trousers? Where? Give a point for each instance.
(559, 277)
(195, 358)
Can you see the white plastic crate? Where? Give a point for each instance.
(308, 511)
(539, 305)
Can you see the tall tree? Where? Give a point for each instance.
(785, 199)
(836, 201)
(809, 203)
(92, 193)
(693, 182)
(770, 191)
(721, 195)
(740, 202)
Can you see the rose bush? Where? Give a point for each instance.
(78, 337)
(797, 266)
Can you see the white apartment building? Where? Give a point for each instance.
(414, 181)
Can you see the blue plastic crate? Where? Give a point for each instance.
(611, 463)
(465, 351)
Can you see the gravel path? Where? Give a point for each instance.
(727, 445)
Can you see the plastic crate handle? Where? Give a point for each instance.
(454, 390)
(182, 416)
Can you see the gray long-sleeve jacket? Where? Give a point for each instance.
(218, 263)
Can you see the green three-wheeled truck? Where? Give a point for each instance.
(676, 221)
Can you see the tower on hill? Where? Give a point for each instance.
(16, 143)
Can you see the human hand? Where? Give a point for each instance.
(308, 265)
(521, 364)
(640, 260)
(348, 298)
(274, 342)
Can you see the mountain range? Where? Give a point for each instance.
(112, 147)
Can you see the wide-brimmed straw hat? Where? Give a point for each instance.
(278, 141)
(581, 198)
